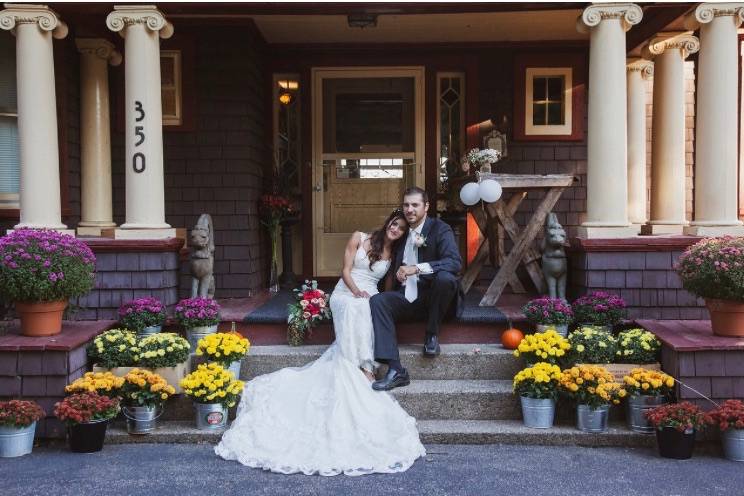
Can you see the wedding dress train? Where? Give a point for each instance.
(325, 418)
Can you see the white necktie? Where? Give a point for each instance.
(412, 280)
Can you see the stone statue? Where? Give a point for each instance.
(554, 263)
(201, 241)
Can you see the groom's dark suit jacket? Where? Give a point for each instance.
(441, 253)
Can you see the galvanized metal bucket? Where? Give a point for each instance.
(733, 444)
(234, 367)
(194, 334)
(589, 420)
(210, 416)
(561, 329)
(16, 441)
(149, 331)
(538, 413)
(141, 419)
(635, 408)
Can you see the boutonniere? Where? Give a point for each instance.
(419, 241)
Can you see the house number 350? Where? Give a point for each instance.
(138, 159)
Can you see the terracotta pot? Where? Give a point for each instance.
(41, 319)
(726, 317)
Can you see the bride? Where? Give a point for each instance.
(324, 418)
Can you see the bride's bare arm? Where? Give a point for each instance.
(351, 248)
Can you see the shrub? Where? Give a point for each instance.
(637, 346)
(197, 312)
(20, 413)
(140, 313)
(547, 311)
(599, 308)
(681, 416)
(714, 268)
(86, 407)
(590, 345)
(44, 265)
(540, 381)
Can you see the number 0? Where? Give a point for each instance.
(138, 162)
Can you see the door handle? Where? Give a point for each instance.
(318, 188)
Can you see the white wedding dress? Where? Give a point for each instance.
(325, 418)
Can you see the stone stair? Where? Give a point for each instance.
(462, 396)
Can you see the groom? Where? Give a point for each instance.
(422, 282)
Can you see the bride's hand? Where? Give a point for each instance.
(361, 294)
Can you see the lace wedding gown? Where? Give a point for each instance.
(325, 418)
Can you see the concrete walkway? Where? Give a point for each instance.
(170, 469)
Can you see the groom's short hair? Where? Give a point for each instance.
(415, 190)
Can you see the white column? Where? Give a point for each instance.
(607, 176)
(669, 51)
(95, 135)
(638, 72)
(34, 27)
(716, 127)
(141, 26)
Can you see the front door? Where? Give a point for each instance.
(368, 146)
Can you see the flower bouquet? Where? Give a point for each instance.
(549, 313)
(39, 271)
(548, 346)
(142, 315)
(676, 424)
(223, 348)
(591, 345)
(114, 348)
(482, 159)
(17, 427)
(213, 390)
(272, 209)
(599, 308)
(310, 309)
(103, 383)
(86, 415)
(730, 420)
(637, 346)
(713, 268)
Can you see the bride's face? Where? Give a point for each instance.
(396, 229)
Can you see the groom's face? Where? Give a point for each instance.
(414, 208)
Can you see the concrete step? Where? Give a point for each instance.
(457, 361)
(425, 399)
(431, 432)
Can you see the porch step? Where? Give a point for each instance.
(457, 361)
(431, 432)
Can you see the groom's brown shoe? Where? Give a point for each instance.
(392, 379)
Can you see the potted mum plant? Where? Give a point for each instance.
(310, 309)
(729, 417)
(143, 393)
(595, 390)
(638, 346)
(676, 424)
(549, 313)
(713, 269)
(599, 309)
(86, 415)
(213, 390)
(144, 316)
(224, 348)
(113, 348)
(548, 346)
(592, 345)
(199, 316)
(40, 270)
(646, 389)
(537, 387)
(17, 427)
(103, 383)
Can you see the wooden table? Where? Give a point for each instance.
(495, 219)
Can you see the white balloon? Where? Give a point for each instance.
(469, 194)
(489, 190)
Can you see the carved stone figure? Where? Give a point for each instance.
(201, 242)
(554, 263)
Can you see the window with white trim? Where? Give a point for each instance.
(450, 125)
(548, 102)
(170, 87)
(9, 160)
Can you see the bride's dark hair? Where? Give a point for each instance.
(377, 239)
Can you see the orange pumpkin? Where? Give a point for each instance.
(511, 338)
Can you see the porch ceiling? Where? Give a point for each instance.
(424, 28)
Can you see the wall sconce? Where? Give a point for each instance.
(287, 86)
(362, 20)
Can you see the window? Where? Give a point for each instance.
(170, 87)
(287, 144)
(549, 97)
(9, 161)
(450, 125)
